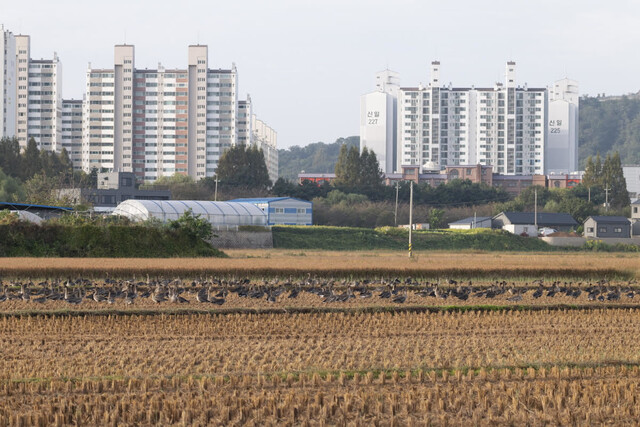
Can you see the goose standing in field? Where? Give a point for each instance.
(400, 299)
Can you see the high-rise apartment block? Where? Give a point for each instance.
(561, 149)
(161, 121)
(266, 139)
(152, 122)
(71, 132)
(254, 131)
(8, 83)
(378, 124)
(39, 90)
(504, 126)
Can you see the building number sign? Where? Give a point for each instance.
(373, 117)
(554, 126)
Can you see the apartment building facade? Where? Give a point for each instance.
(378, 124)
(518, 130)
(71, 131)
(8, 83)
(157, 122)
(502, 126)
(266, 138)
(151, 122)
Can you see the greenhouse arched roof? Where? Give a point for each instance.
(217, 213)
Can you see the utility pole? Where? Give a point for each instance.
(474, 220)
(606, 199)
(589, 194)
(535, 209)
(395, 216)
(215, 194)
(410, 217)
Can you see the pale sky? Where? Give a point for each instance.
(306, 63)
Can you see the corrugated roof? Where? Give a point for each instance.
(605, 219)
(266, 199)
(471, 219)
(25, 206)
(544, 218)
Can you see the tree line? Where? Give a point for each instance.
(32, 175)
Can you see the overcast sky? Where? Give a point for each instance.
(306, 63)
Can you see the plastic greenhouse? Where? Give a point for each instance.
(28, 216)
(219, 214)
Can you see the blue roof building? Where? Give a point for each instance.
(283, 210)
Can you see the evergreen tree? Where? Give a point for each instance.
(243, 167)
(614, 179)
(590, 173)
(10, 157)
(359, 172)
(607, 175)
(31, 162)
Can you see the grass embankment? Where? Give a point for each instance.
(349, 238)
(114, 241)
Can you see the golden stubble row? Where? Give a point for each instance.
(358, 262)
(555, 395)
(35, 348)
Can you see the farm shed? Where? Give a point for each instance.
(283, 210)
(518, 222)
(471, 222)
(607, 226)
(219, 214)
(43, 211)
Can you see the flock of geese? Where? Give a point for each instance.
(216, 291)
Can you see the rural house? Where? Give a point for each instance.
(524, 222)
(607, 226)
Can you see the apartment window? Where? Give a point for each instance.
(602, 229)
(279, 210)
(617, 229)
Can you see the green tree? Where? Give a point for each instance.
(608, 174)
(10, 157)
(243, 167)
(194, 225)
(436, 218)
(358, 172)
(31, 162)
(10, 189)
(42, 190)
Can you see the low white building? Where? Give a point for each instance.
(471, 222)
(632, 176)
(283, 210)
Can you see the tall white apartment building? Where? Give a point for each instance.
(378, 123)
(561, 149)
(8, 83)
(71, 131)
(243, 125)
(157, 122)
(39, 93)
(266, 138)
(252, 130)
(503, 126)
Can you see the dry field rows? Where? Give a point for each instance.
(285, 262)
(238, 341)
(509, 367)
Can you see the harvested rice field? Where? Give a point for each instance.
(321, 338)
(559, 367)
